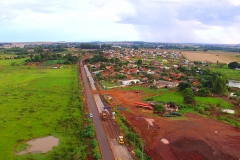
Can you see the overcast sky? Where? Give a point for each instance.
(177, 21)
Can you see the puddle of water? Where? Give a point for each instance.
(41, 145)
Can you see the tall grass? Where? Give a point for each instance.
(37, 103)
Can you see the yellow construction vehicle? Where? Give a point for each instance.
(120, 140)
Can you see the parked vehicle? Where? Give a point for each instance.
(90, 115)
(176, 114)
(144, 105)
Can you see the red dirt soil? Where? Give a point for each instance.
(190, 137)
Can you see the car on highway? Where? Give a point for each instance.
(90, 115)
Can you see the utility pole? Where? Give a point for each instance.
(142, 151)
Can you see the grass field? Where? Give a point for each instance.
(36, 103)
(52, 62)
(230, 73)
(166, 95)
(108, 84)
(178, 98)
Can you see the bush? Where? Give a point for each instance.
(181, 106)
(94, 143)
(200, 110)
(150, 99)
(223, 118)
(188, 96)
(14, 64)
(207, 113)
(97, 156)
(204, 92)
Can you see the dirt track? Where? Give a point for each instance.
(193, 137)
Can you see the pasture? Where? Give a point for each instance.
(212, 56)
(38, 102)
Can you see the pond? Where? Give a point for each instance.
(232, 83)
(40, 145)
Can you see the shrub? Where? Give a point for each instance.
(188, 96)
(200, 110)
(223, 118)
(97, 156)
(204, 92)
(94, 143)
(207, 113)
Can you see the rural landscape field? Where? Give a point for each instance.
(38, 102)
(119, 80)
(164, 103)
(211, 56)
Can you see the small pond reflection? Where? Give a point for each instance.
(41, 145)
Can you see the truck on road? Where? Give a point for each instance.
(104, 115)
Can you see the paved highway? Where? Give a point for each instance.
(105, 149)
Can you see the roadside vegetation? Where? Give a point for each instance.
(132, 138)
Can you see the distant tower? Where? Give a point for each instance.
(100, 46)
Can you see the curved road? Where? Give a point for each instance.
(104, 145)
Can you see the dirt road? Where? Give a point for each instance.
(189, 137)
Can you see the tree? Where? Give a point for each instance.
(182, 69)
(183, 85)
(150, 76)
(204, 92)
(188, 96)
(205, 50)
(103, 67)
(219, 85)
(31, 57)
(158, 108)
(38, 49)
(117, 68)
(139, 62)
(233, 65)
(117, 60)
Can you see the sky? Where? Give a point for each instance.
(172, 21)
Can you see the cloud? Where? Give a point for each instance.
(185, 21)
(147, 20)
(72, 20)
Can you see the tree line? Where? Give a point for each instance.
(44, 56)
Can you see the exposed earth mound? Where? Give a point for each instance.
(189, 137)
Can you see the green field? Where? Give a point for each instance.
(108, 84)
(230, 73)
(166, 95)
(178, 98)
(36, 103)
(52, 62)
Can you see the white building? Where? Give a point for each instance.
(129, 82)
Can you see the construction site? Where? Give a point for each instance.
(191, 136)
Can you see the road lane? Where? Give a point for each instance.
(105, 149)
